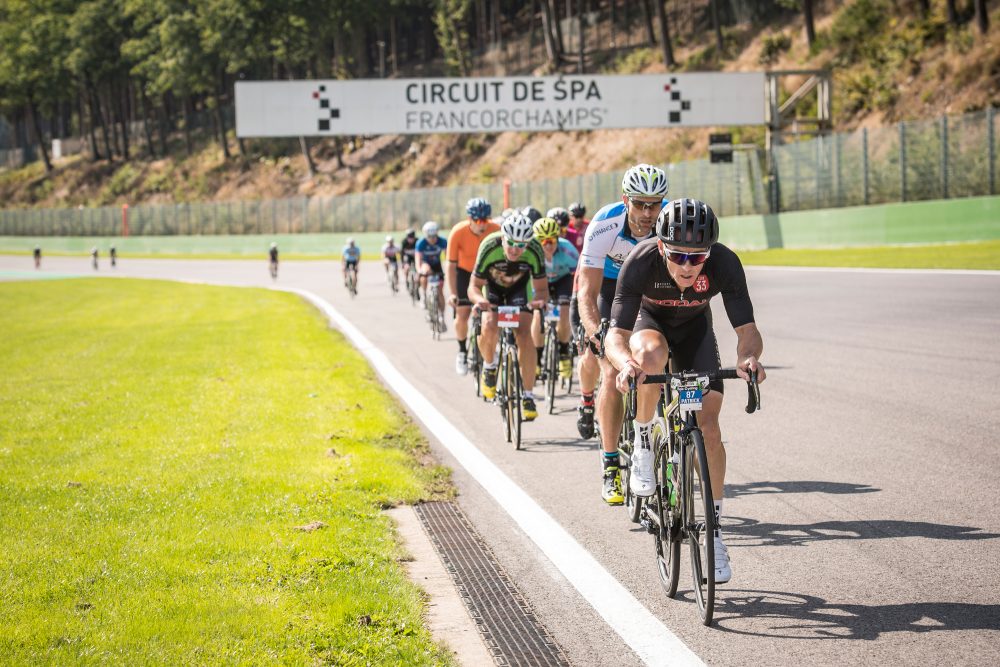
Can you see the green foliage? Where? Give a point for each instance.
(450, 20)
(122, 182)
(856, 31)
(635, 61)
(165, 446)
(772, 46)
(982, 255)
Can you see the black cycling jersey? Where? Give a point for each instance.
(407, 248)
(645, 282)
(274, 254)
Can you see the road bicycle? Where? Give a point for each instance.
(392, 277)
(412, 284)
(273, 267)
(681, 509)
(509, 387)
(549, 370)
(352, 281)
(434, 304)
(473, 356)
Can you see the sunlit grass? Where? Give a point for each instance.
(161, 447)
(978, 255)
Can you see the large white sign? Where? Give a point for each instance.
(526, 104)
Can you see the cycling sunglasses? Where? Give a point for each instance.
(693, 258)
(516, 244)
(646, 205)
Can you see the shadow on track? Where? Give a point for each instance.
(836, 488)
(749, 532)
(795, 616)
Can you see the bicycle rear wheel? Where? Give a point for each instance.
(668, 536)
(550, 357)
(503, 398)
(699, 514)
(474, 357)
(514, 395)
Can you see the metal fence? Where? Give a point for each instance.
(944, 158)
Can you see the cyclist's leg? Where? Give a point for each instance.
(649, 349)
(489, 336)
(537, 335)
(463, 308)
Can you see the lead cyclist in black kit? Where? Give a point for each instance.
(661, 303)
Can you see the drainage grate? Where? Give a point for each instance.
(512, 633)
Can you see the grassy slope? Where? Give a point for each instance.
(160, 444)
(979, 255)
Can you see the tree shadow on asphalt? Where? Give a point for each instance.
(795, 616)
(835, 488)
(555, 446)
(750, 532)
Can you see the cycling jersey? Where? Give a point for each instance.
(499, 272)
(645, 284)
(574, 237)
(563, 261)
(407, 249)
(390, 252)
(351, 254)
(463, 245)
(608, 242)
(273, 252)
(431, 252)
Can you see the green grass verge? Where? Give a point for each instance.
(162, 446)
(977, 255)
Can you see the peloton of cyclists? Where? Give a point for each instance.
(662, 302)
(463, 246)
(351, 255)
(508, 261)
(428, 254)
(611, 236)
(560, 266)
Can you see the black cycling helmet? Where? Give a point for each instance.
(558, 214)
(411, 234)
(532, 214)
(577, 210)
(689, 223)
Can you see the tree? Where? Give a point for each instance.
(668, 52)
(807, 12)
(982, 16)
(717, 27)
(450, 19)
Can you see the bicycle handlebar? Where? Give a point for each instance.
(753, 388)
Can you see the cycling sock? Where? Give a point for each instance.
(490, 367)
(461, 346)
(718, 517)
(539, 351)
(528, 394)
(587, 399)
(563, 349)
(642, 432)
(611, 460)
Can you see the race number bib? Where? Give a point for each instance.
(689, 398)
(508, 317)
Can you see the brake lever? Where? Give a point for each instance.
(753, 394)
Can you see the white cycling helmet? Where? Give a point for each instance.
(517, 227)
(430, 228)
(389, 239)
(350, 241)
(644, 180)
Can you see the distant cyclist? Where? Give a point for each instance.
(509, 261)
(93, 257)
(615, 231)
(408, 250)
(272, 254)
(578, 223)
(113, 253)
(390, 259)
(38, 257)
(561, 216)
(560, 266)
(532, 214)
(463, 246)
(661, 302)
(428, 253)
(351, 255)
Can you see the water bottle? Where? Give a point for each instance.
(672, 465)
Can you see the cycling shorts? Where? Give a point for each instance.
(606, 297)
(561, 290)
(516, 296)
(353, 263)
(462, 286)
(692, 344)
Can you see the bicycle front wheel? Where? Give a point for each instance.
(699, 514)
(664, 503)
(503, 398)
(514, 395)
(550, 357)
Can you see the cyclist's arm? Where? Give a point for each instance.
(541, 287)
(475, 293)
(749, 347)
(453, 279)
(624, 313)
(588, 290)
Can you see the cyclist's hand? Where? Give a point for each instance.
(537, 304)
(453, 301)
(744, 367)
(631, 370)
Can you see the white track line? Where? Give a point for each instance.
(648, 637)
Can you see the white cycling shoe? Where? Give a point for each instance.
(640, 481)
(461, 365)
(723, 569)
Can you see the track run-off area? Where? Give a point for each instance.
(862, 511)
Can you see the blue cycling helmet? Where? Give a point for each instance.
(478, 208)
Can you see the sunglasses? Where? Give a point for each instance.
(517, 244)
(481, 221)
(550, 242)
(693, 258)
(646, 205)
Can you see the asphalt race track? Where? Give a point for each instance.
(862, 504)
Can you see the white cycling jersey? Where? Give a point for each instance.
(609, 241)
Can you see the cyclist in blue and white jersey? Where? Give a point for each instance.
(612, 234)
(429, 252)
(351, 254)
(560, 264)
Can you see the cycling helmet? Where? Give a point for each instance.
(411, 234)
(558, 214)
(430, 228)
(478, 208)
(690, 223)
(350, 241)
(517, 227)
(531, 213)
(390, 240)
(577, 210)
(274, 245)
(644, 180)
(545, 229)
(506, 213)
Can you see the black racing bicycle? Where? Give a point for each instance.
(509, 387)
(412, 284)
(352, 280)
(434, 303)
(549, 371)
(681, 509)
(473, 356)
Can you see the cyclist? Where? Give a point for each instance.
(463, 246)
(390, 258)
(38, 257)
(408, 250)
(352, 257)
(532, 214)
(272, 254)
(93, 257)
(114, 256)
(578, 223)
(561, 216)
(661, 302)
(508, 261)
(616, 229)
(428, 254)
(560, 267)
